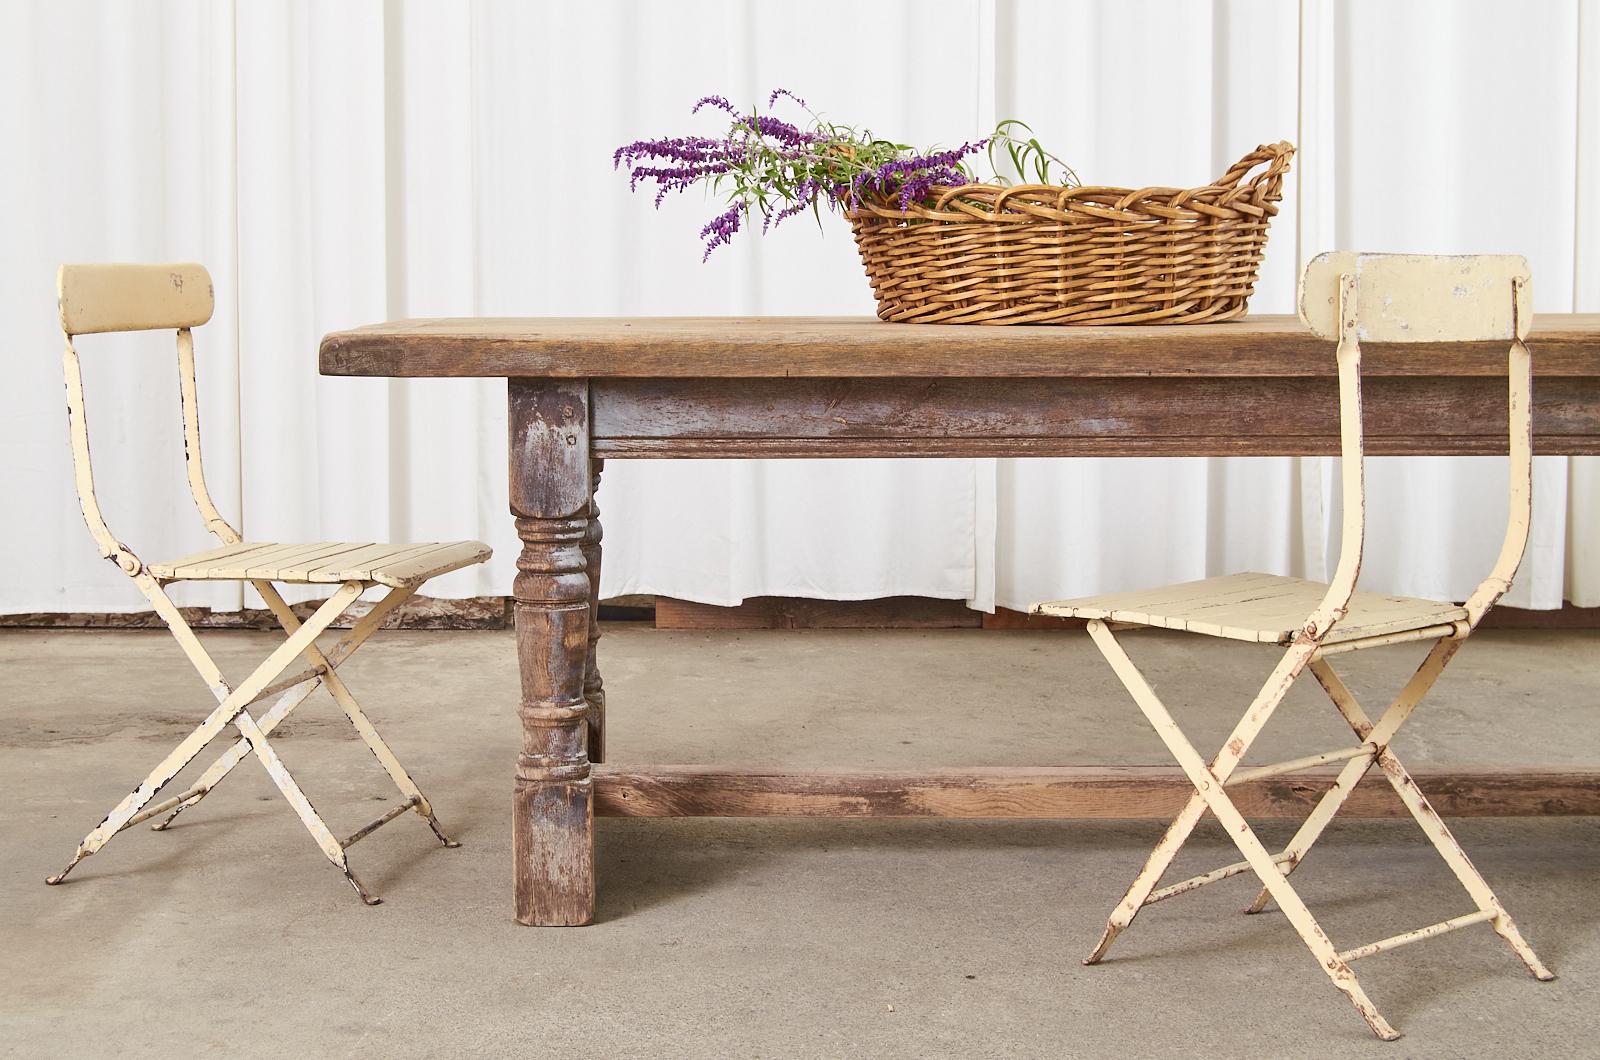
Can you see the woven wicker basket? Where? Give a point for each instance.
(1039, 254)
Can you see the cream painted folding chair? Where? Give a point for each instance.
(107, 298)
(1350, 298)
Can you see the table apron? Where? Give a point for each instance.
(1131, 416)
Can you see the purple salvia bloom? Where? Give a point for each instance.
(714, 101)
(720, 229)
(780, 92)
(911, 179)
(805, 195)
(677, 178)
(680, 148)
(787, 134)
(784, 168)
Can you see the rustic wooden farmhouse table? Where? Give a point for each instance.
(586, 390)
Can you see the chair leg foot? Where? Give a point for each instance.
(1345, 981)
(1536, 968)
(438, 830)
(1379, 1026)
(1113, 929)
(1338, 969)
(62, 875)
(1506, 928)
(366, 896)
(59, 877)
(1260, 904)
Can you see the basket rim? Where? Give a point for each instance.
(1226, 199)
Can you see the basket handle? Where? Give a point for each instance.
(1270, 180)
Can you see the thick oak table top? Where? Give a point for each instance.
(849, 347)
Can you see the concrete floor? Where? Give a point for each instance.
(230, 935)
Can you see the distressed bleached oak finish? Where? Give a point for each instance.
(594, 690)
(105, 298)
(664, 387)
(858, 347)
(1056, 792)
(741, 387)
(1353, 298)
(552, 498)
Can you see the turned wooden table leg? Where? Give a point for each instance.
(553, 812)
(594, 689)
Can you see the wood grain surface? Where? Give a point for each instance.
(737, 347)
(552, 807)
(1060, 792)
(1138, 415)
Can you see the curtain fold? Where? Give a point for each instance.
(334, 165)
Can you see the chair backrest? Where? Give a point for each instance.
(99, 298)
(103, 298)
(1412, 298)
(1419, 298)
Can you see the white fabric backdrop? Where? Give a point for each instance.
(339, 164)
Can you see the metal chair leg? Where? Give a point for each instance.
(1234, 749)
(1274, 870)
(386, 757)
(229, 708)
(1392, 718)
(301, 640)
(352, 710)
(331, 847)
(1208, 781)
(292, 698)
(367, 898)
(1154, 868)
(439, 833)
(1411, 796)
(1466, 873)
(230, 758)
(163, 773)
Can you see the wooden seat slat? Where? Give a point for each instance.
(1263, 608)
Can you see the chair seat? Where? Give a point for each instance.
(329, 562)
(1265, 608)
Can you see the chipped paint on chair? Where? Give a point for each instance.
(1348, 297)
(110, 298)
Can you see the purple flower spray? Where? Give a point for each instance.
(779, 169)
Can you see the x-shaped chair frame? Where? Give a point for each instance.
(150, 297)
(1211, 779)
(1310, 648)
(233, 709)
